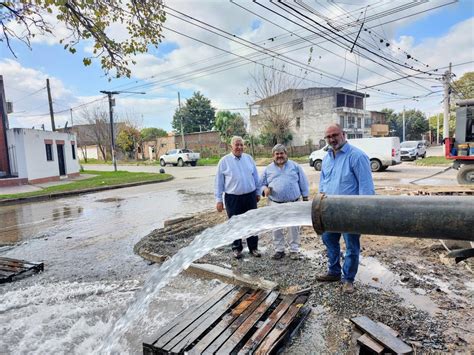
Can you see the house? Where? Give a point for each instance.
(37, 156)
(208, 142)
(311, 110)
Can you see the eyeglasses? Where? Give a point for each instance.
(333, 135)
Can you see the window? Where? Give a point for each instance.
(297, 104)
(359, 122)
(49, 152)
(359, 103)
(342, 121)
(340, 100)
(350, 101)
(368, 122)
(298, 122)
(351, 122)
(73, 151)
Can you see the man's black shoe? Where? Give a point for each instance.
(255, 253)
(237, 254)
(328, 278)
(278, 255)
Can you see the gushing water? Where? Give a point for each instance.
(241, 226)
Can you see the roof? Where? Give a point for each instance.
(295, 91)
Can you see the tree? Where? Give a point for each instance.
(96, 130)
(196, 115)
(273, 91)
(464, 86)
(229, 124)
(128, 139)
(416, 124)
(152, 133)
(87, 20)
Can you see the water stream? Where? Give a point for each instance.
(242, 226)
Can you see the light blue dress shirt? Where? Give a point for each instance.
(288, 183)
(237, 176)
(347, 173)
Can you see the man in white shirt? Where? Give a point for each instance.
(237, 184)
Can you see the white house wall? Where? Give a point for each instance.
(31, 153)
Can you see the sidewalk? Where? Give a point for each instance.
(10, 190)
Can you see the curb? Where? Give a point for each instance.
(12, 201)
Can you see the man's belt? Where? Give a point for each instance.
(284, 201)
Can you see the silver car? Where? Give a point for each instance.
(411, 150)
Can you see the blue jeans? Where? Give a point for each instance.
(351, 258)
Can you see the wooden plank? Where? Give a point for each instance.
(381, 335)
(2, 258)
(267, 325)
(227, 318)
(388, 329)
(199, 325)
(272, 339)
(202, 306)
(10, 269)
(248, 324)
(370, 343)
(239, 314)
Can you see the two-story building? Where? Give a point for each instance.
(311, 110)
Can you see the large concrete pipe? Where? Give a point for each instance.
(434, 217)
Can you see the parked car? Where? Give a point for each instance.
(382, 152)
(180, 157)
(412, 150)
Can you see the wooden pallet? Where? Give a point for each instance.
(233, 319)
(11, 269)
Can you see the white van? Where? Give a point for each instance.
(382, 152)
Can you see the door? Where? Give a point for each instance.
(62, 166)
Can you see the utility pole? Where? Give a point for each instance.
(446, 80)
(183, 144)
(111, 116)
(51, 113)
(250, 134)
(403, 122)
(72, 121)
(437, 129)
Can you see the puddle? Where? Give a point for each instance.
(373, 273)
(110, 199)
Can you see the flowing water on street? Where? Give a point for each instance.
(251, 223)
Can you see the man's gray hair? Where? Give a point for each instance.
(235, 139)
(279, 148)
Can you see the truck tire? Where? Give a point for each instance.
(162, 162)
(180, 162)
(375, 165)
(193, 163)
(466, 175)
(317, 165)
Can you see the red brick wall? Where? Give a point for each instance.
(3, 148)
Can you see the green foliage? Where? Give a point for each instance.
(433, 123)
(196, 115)
(229, 124)
(272, 135)
(100, 179)
(151, 133)
(415, 124)
(88, 20)
(127, 140)
(464, 86)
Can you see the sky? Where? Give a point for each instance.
(397, 38)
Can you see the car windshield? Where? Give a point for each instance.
(187, 151)
(409, 144)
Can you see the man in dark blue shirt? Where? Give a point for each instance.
(345, 171)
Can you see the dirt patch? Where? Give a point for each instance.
(428, 299)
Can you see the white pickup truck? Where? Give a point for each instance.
(179, 157)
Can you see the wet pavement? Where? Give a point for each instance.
(91, 273)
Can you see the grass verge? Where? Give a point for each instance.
(101, 178)
(429, 161)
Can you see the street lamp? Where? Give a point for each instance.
(111, 115)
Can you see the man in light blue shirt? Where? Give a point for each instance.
(237, 185)
(345, 171)
(284, 181)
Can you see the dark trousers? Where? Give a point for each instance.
(239, 204)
